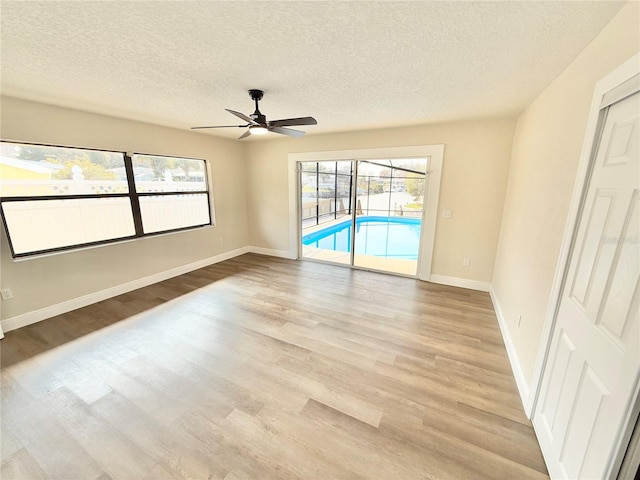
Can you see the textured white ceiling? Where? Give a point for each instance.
(352, 65)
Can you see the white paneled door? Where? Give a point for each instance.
(591, 376)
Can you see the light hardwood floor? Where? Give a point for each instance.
(266, 368)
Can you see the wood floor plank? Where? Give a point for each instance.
(510, 447)
(267, 368)
(232, 450)
(21, 466)
(413, 459)
(31, 421)
(473, 461)
(177, 453)
(285, 452)
(9, 443)
(114, 452)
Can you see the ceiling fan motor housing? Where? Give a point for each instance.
(257, 116)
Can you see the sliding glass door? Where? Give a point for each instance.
(363, 213)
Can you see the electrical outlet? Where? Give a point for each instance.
(446, 213)
(466, 262)
(221, 240)
(519, 320)
(6, 293)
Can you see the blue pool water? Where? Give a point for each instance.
(391, 237)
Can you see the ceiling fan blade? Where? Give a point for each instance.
(220, 126)
(287, 131)
(243, 117)
(293, 121)
(245, 134)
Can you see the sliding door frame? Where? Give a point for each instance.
(435, 153)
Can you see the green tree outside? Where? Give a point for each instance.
(415, 185)
(90, 170)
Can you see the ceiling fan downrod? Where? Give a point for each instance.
(256, 96)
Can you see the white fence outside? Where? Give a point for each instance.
(41, 225)
(36, 225)
(40, 188)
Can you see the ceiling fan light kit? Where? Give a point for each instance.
(258, 124)
(258, 130)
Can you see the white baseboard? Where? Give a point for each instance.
(272, 253)
(79, 302)
(521, 381)
(460, 282)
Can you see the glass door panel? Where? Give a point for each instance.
(388, 226)
(326, 210)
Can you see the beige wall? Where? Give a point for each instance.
(546, 151)
(41, 282)
(474, 176)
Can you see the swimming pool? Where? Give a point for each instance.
(390, 237)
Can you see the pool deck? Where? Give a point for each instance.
(402, 267)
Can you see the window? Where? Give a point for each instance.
(60, 198)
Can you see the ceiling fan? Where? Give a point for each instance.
(258, 124)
